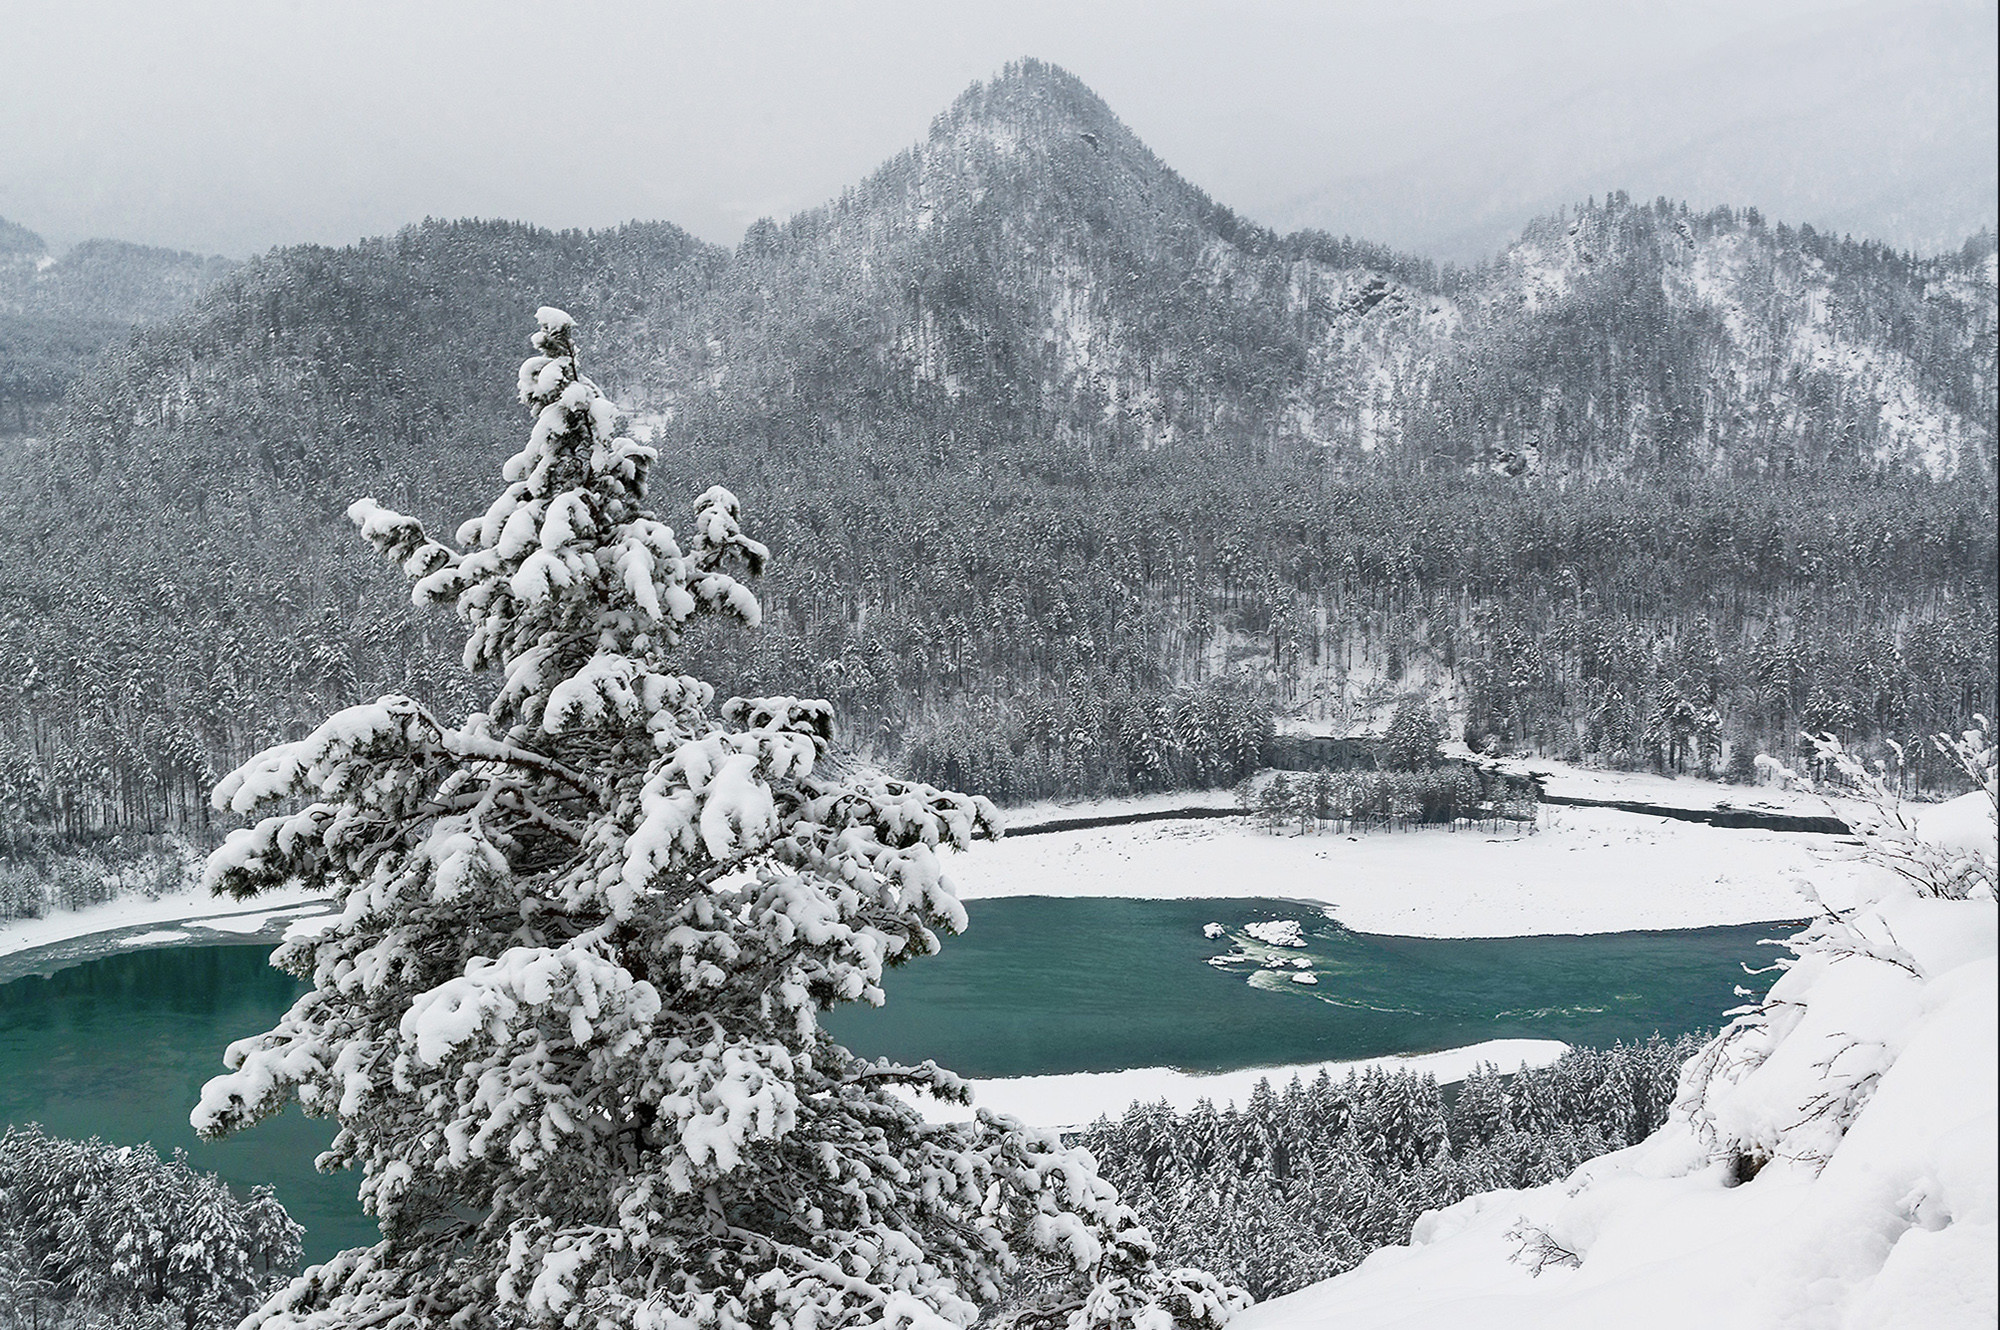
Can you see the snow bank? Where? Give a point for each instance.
(1026, 817)
(183, 909)
(1831, 1163)
(1589, 870)
(1080, 1098)
(1690, 792)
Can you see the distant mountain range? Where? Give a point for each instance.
(1028, 420)
(1033, 253)
(1032, 256)
(58, 314)
(1892, 136)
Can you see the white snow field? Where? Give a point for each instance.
(1588, 870)
(1563, 779)
(182, 909)
(1024, 816)
(1080, 1098)
(1866, 1104)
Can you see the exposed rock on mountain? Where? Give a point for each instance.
(1043, 437)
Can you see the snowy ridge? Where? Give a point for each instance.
(1741, 281)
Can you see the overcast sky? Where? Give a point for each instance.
(233, 125)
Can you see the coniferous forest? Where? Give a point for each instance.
(1076, 482)
(1300, 1183)
(681, 666)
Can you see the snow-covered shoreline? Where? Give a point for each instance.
(1831, 1161)
(1688, 792)
(140, 921)
(1586, 870)
(1030, 818)
(1080, 1098)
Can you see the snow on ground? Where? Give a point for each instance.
(1838, 1167)
(182, 909)
(1588, 870)
(1564, 780)
(1081, 1098)
(1026, 816)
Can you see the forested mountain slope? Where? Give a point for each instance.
(58, 314)
(1070, 476)
(1032, 264)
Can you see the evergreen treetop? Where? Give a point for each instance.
(567, 1015)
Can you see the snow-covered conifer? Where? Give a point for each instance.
(115, 1235)
(1278, 802)
(1482, 1110)
(567, 1016)
(1414, 740)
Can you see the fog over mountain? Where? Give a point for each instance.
(1890, 138)
(1437, 128)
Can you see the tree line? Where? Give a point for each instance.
(94, 1235)
(1300, 1184)
(1030, 486)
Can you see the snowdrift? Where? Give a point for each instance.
(1831, 1161)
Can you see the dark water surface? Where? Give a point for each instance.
(119, 1047)
(1042, 985)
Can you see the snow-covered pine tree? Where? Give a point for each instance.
(115, 1235)
(1482, 1110)
(1414, 741)
(1277, 802)
(567, 1016)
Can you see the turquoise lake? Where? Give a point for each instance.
(119, 1046)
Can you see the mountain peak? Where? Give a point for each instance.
(17, 241)
(1032, 103)
(1033, 88)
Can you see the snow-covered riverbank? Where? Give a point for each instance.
(1587, 870)
(140, 921)
(1080, 1098)
(1831, 1163)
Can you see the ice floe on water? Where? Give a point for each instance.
(245, 924)
(1287, 933)
(1277, 932)
(311, 925)
(153, 938)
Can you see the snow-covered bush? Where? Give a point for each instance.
(568, 1016)
(97, 1234)
(1865, 962)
